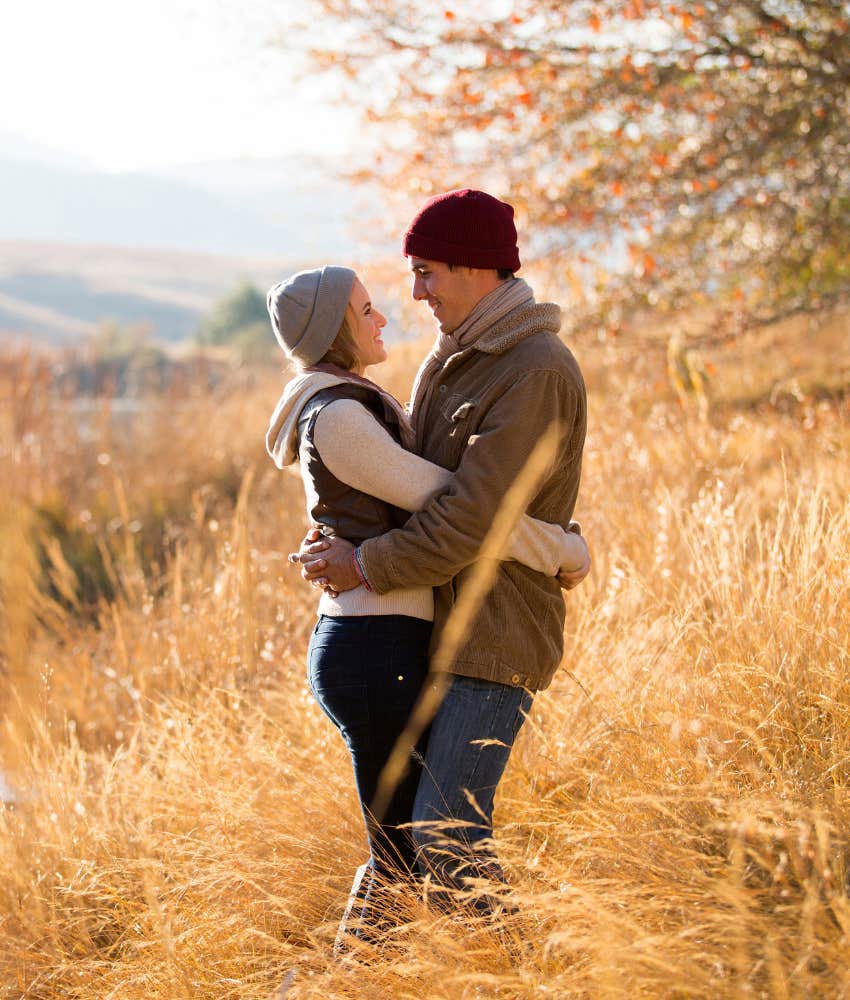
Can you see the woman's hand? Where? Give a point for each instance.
(571, 576)
(326, 562)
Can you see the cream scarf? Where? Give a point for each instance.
(493, 307)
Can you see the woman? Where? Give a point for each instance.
(367, 658)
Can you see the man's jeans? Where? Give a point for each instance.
(468, 749)
(366, 673)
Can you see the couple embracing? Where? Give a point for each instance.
(404, 501)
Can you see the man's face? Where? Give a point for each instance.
(452, 293)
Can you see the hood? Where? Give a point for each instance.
(282, 437)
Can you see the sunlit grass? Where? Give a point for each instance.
(674, 819)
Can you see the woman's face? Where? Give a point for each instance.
(366, 325)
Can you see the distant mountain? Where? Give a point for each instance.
(312, 211)
(64, 306)
(78, 245)
(56, 292)
(41, 201)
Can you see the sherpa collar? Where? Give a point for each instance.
(537, 317)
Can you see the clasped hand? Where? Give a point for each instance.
(326, 562)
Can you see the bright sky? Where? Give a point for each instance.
(140, 84)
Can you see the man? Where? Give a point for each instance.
(496, 380)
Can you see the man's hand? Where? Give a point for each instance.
(326, 562)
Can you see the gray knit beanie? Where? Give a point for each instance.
(307, 310)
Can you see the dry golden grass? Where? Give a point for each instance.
(675, 816)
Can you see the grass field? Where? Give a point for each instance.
(675, 816)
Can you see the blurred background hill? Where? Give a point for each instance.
(80, 245)
(59, 293)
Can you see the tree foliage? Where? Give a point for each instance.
(242, 309)
(663, 153)
(240, 322)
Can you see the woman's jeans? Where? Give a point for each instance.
(366, 673)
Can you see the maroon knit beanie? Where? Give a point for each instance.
(464, 227)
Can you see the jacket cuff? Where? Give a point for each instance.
(373, 557)
(359, 570)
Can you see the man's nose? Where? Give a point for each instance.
(419, 288)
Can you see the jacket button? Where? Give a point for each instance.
(515, 679)
(442, 388)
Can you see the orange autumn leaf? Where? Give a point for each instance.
(648, 263)
(617, 188)
(595, 22)
(524, 98)
(449, 15)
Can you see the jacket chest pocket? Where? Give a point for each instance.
(457, 411)
(452, 419)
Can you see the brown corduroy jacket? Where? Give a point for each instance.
(488, 408)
